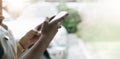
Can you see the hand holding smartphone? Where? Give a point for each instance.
(59, 16)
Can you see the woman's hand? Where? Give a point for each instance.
(32, 36)
(48, 31)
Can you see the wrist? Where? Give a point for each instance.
(20, 47)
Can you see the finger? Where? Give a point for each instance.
(47, 19)
(44, 25)
(38, 27)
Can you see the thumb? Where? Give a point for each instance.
(47, 19)
(38, 28)
(44, 25)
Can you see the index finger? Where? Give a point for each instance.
(59, 18)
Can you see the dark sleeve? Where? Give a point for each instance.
(47, 54)
(1, 51)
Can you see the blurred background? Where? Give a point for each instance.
(91, 31)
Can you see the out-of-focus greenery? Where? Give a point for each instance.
(72, 20)
(100, 31)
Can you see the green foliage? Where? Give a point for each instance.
(72, 20)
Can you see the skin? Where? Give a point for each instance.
(40, 40)
(43, 41)
(31, 37)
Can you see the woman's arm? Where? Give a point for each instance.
(29, 38)
(48, 31)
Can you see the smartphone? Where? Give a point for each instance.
(60, 15)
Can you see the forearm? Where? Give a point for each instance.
(39, 47)
(48, 31)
